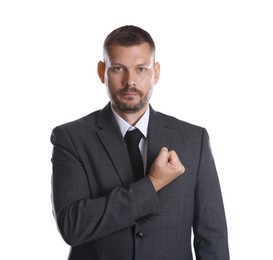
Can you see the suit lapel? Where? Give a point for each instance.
(159, 135)
(113, 142)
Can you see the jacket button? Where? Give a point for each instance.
(139, 235)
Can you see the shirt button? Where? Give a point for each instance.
(139, 235)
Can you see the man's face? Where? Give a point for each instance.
(129, 73)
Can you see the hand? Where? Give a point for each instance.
(165, 168)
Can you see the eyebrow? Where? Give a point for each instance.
(138, 65)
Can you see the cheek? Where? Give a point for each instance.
(114, 79)
(149, 78)
(113, 84)
(150, 81)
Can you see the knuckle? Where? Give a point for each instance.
(181, 169)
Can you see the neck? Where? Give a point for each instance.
(131, 118)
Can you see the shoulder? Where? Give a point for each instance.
(83, 122)
(79, 128)
(87, 126)
(174, 123)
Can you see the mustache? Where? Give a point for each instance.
(131, 90)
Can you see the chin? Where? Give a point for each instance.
(130, 108)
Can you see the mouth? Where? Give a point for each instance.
(130, 93)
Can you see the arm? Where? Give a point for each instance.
(81, 218)
(210, 230)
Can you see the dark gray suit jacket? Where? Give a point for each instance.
(103, 214)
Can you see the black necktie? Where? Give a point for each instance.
(132, 139)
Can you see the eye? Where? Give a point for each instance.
(117, 69)
(141, 69)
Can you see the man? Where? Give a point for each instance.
(104, 207)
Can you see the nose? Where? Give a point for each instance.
(129, 79)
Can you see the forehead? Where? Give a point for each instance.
(142, 53)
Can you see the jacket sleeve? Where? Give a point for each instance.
(81, 218)
(210, 229)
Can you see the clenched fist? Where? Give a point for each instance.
(165, 168)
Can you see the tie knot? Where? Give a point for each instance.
(133, 137)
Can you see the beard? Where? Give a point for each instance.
(129, 106)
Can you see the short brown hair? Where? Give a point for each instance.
(128, 35)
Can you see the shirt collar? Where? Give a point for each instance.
(141, 125)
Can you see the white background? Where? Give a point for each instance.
(217, 63)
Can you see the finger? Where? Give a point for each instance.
(163, 155)
(173, 156)
(175, 161)
(164, 149)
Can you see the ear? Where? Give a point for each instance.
(101, 71)
(156, 72)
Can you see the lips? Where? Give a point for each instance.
(130, 92)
